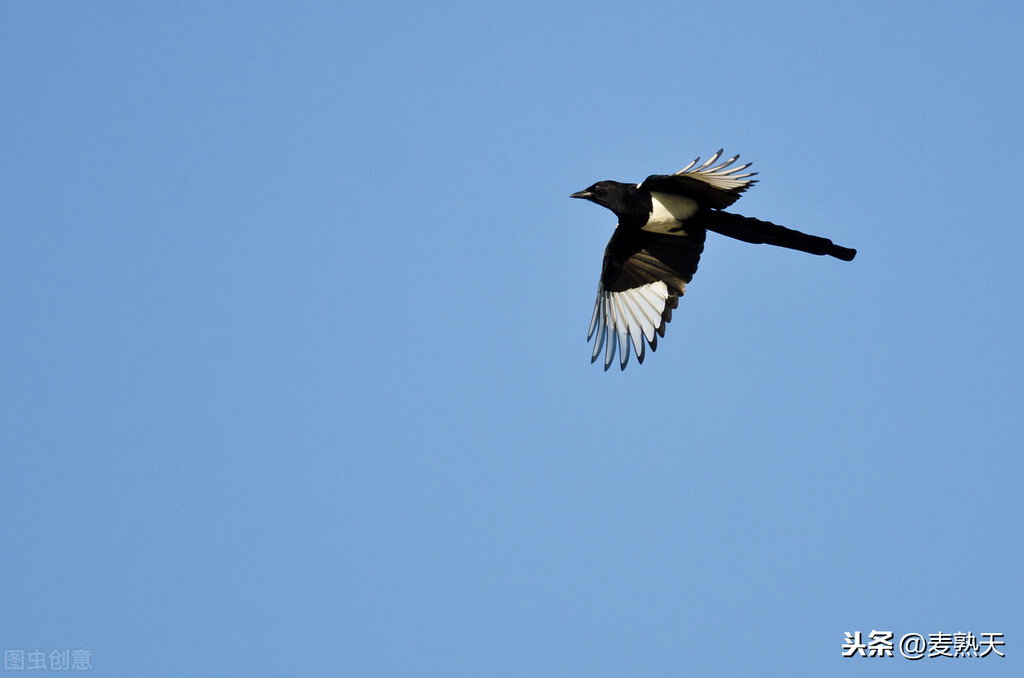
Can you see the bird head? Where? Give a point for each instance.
(610, 194)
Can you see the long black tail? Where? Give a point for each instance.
(753, 230)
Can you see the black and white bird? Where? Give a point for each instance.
(658, 241)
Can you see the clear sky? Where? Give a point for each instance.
(293, 372)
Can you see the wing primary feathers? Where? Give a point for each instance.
(711, 160)
(597, 306)
(609, 331)
(629, 320)
(738, 169)
(654, 305)
(634, 327)
(621, 327)
(623, 349)
(598, 344)
(726, 163)
(643, 314)
(694, 162)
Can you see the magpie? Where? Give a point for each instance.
(657, 243)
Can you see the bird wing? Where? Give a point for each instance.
(710, 185)
(642, 278)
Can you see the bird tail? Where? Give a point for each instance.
(756, 231)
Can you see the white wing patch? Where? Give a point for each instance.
(629, 316)
(668, 212)
(720, 176)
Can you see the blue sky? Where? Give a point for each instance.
(293, 378)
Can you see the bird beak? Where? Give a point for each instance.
(581, 194)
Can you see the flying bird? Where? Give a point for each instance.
(658, 241)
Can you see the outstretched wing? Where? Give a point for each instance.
(711, 186)
(643, 276)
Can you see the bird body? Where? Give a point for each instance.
(654, 252)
